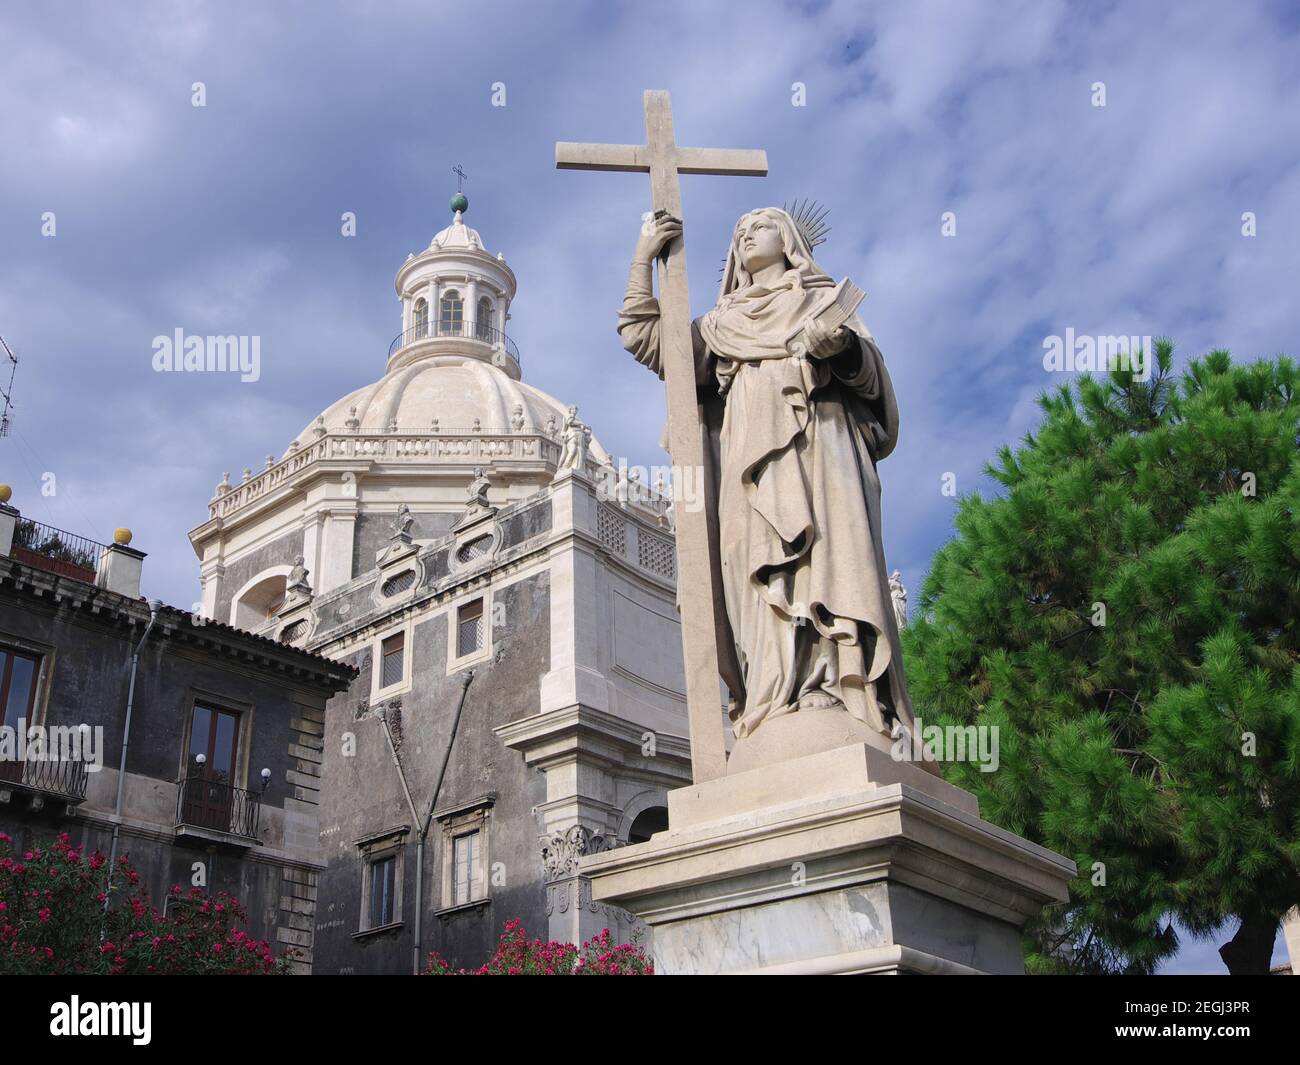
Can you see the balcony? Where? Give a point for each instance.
(42, 781)
(483, 333)
(55, 551)
(215, 812)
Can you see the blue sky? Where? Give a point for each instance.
(1123, 219)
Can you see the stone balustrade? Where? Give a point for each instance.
(453, 446)
(449, 445)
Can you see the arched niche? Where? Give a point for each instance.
(258, 601)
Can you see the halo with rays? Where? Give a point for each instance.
(810, 217)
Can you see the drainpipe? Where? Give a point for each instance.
(154, 606)
(424, 826)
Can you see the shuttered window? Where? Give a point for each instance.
(383, 892)
(393, 654)
(469, 628)
(468, 871)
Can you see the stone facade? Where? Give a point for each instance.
(258, 842)
(511, 617)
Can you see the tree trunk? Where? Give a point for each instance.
(1249, 952)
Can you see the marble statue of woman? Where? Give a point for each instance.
(810, 643)
(573, 454)
(899, 594)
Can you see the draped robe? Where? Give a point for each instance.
(793, 499)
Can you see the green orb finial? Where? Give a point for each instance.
(460, 202)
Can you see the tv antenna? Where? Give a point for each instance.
(8, 393)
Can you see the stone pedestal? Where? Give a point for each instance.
(845, 861)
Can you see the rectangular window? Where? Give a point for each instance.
(466, 853)
(383, 891)
(393, 655)
(208, 797)
(18, 674)
(214, 735)
(452, 313)
(467, 873)
(469, 628)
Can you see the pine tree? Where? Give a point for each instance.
(1127, 613)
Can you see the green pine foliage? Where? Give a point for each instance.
(1164, 741)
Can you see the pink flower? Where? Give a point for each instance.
(43, 913)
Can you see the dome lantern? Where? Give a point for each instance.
(455, 298)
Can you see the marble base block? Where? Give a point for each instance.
(845, 861)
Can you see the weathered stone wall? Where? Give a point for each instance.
(279, 552)
(374, 531)
(526, 522)
(88, 665)
(365, 794)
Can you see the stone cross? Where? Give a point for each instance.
(663, 160)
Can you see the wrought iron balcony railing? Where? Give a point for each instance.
(218, 807)
(56, 551)
(63, 779)
(481, 332)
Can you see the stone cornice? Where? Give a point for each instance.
(557, 736)
(129, 616)
(360, 451)
(514, 563)
(892, 830)
(456, 259)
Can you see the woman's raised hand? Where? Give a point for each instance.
(656, 232)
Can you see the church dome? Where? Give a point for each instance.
(462, 394)
(452, 369)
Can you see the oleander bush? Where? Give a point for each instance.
(53, 920)
(517, 955)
